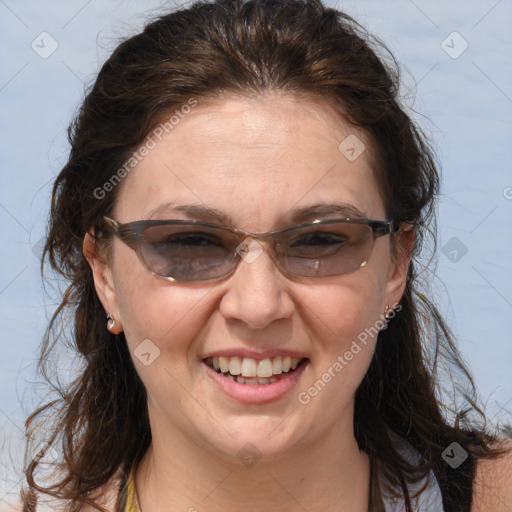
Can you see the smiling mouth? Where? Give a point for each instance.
(249, 371)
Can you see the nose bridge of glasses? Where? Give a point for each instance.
(251, 245)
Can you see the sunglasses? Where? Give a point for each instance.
(185, 250)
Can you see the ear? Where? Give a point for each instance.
(399, 266)
(103, 281)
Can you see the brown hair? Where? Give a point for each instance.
(297, 47)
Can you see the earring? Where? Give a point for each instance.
(387, 316)
(111, 322)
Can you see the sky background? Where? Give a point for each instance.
(457, 71)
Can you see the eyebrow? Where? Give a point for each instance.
(193, 211)
(324, 209)
(297, 215)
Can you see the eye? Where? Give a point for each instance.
(191, 239)
(318, 238)
(184, 245)
(172, 237)
(317, 244)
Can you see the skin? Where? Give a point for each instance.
(492, 489)
(255, 159)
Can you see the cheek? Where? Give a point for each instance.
(344, 308)
(154, 309)
(342, 326)
(170, 317)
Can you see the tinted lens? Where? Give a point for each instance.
(188, 253)
(325, 250)
(191, 253)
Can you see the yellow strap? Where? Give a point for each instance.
(132, 504)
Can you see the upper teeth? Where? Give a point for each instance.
(248, 367)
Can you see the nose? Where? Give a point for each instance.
(257, 293)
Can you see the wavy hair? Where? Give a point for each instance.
(99, 421)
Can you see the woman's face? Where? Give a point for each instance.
(256, 161)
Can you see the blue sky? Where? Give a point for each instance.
(457, 72)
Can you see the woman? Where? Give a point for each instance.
(239, 219)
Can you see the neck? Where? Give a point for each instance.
(329, 474)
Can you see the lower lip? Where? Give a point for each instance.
(257, 393)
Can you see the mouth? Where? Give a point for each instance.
(245, 370)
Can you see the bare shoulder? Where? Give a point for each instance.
(493, 483)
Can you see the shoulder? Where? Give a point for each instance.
(492, 489)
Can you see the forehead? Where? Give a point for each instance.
(255, 159)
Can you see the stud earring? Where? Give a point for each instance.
(111, 322)
(387, 316)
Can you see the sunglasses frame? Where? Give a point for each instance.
(131, 233)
